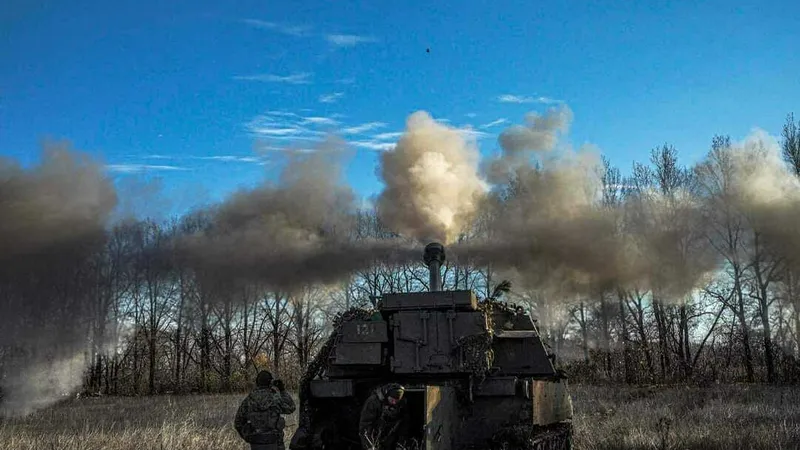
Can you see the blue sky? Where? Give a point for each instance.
(186, 89)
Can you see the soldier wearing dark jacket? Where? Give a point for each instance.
(384, 418)
(258, 420)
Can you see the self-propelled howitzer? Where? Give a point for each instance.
(477, 374)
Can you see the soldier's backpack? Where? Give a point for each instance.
(264, 421)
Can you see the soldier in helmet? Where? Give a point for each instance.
(258, 420)
(384, 418)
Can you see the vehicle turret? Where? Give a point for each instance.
(477, 373)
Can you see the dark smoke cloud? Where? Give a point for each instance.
(669, 237)
(547, 228)
(296, 231)
(52, 219)
(538, 136)
(551, 232)
(63, 201)
(539, 133)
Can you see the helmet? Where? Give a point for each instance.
(264, 378)
(394, 390)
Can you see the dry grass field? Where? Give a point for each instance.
(720, 417)
(714, 418)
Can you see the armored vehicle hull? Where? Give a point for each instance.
(477, 375)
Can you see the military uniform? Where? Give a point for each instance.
(382, 424)
(258, 419)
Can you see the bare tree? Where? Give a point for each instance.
(112, 265)
(790, 145)
(308, 322)
(612, 197)
(224, 312)
(275, 306)
(158, 289)
(766, 268)
(727, 235)
(580, 314)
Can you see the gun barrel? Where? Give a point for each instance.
(434, 257)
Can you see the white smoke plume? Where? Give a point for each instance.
(433, 189)
(38, 383)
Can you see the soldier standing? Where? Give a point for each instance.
(384, 418)
(258, 419)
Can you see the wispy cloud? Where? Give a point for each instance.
(291, 30)
(268, 150)
(493, 123)
(548, 100)
(350, 80)
(135, 168)
(363, 128)
(281, 125)
(319, 121)
(282, 114)
(186, 158)
(374, 145)
(295, 78)
(231, 158)
(275, 132)
(471, 115)
(378, 141)
(336, 39)
(509, 98)
(386, 136)
(475, 134)
(348, 40)
(331, 98)
(283, 131)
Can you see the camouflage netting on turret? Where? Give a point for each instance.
(477, 353)
(477, 349)
(491, 306)
(317, 365)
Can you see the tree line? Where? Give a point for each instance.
(154, 325)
